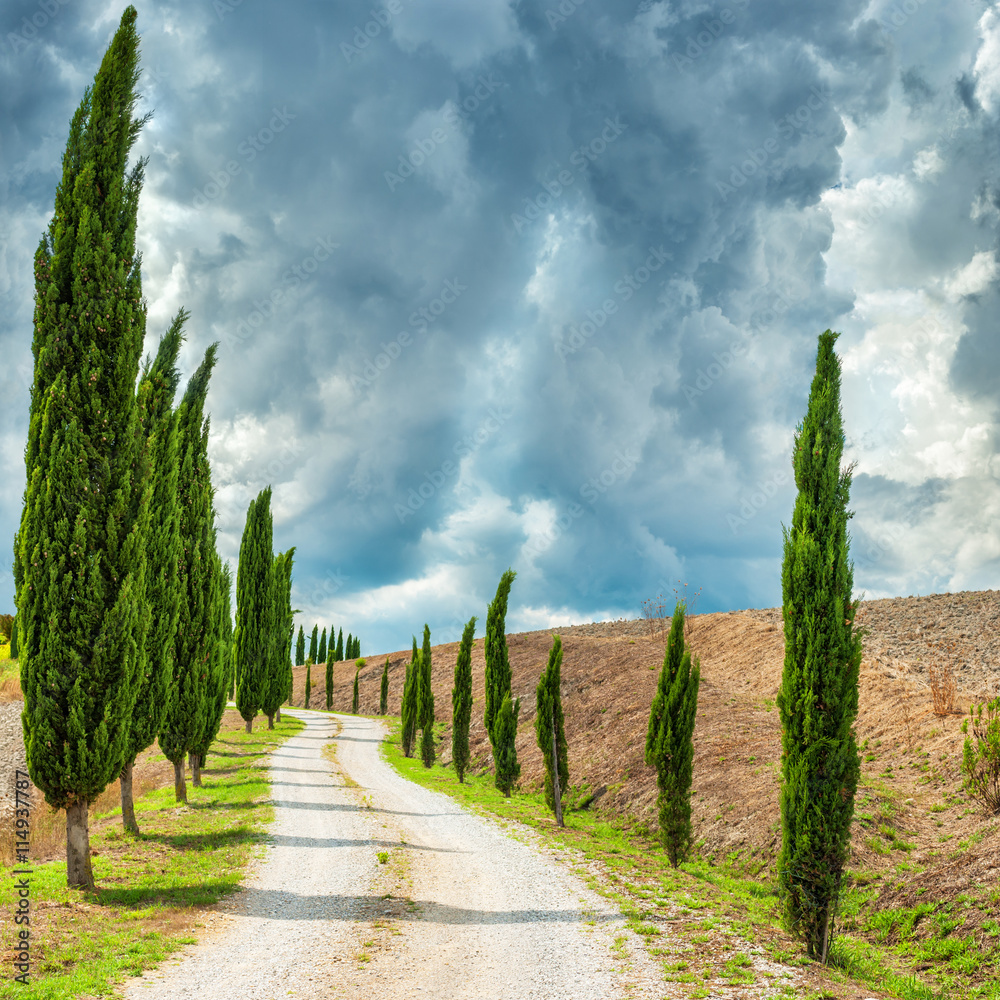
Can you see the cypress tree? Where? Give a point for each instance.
(383, 700)
(349, 646)
(497, 662)
(461, 702)
(357, 646)
(504, 750)
(305, 700)
(157, 388)
(355, 701)
(669, 745)
(276, 681)
(255, 624)
(300, 648)
(426, 699)
(550, 731)
(322, 647)
(818, 698)
(80, 551)
(221, 670)
(186, 714)
(314, 644)
(329, 682)
(340, 645)
(411, 707)
(13, 640)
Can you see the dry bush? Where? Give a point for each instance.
(981, 759)
(944, 688)
(654, 611)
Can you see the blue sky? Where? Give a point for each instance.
(538, 284)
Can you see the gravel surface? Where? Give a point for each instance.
(458, 909)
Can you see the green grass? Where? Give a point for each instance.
(150, 888)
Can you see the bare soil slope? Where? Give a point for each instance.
(910, 806)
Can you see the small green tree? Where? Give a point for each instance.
(411, 706)
(669, 745)
(497, 661)
(278, 647)
(383, 700)
(300, 648)
(981, 760)
(357, 646)
(322, 647)
(314, 644)
(818, 697)
(356, 698)
(426, 699)
(329, 683)
(340, 645)
(504, 749)
(350, 646)
(461, 701)
(550, 731)
(305, 700)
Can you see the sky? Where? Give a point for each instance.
(538, 285)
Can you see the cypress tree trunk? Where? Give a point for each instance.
(461, 702)
(383, 700)
(550, 730)
(669, 739)
(195, 760)
(80, 563)
(78, 870)
(180, 785)
(818, 698)
(128, 809)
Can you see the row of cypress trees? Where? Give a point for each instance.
(122, 600)
(349, 649)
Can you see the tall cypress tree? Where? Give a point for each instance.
(550, 731)
(426, 699)
(275, 685)
(504, 749)
(818, 699)
(221, 667)
(461, 701)
(357, 647)
(308, 691)
(329, 681)
(340, 645)
(186, 715)
(322, 647)
(349, 646)
(300, 648)
(383, 700)
(314, 644)
(669, 745)
(497, 662)
(157, 388)
(410, 709)
(255, 625)
(80, 551)
(356, 699)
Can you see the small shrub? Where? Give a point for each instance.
(943, 688)
(383, 857)
(981, 760)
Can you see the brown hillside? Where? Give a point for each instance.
(609, 673)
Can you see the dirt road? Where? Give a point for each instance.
(456, 908)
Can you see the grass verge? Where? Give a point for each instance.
(713, 927)
(153, 890)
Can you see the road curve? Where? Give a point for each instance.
(456, 909)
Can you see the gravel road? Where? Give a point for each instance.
(458, 909)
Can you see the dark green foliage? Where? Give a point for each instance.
(550, 731)
(221, 664)
(186, 716)
(410, 710)
(383, 700)
(350, 646)
(504, 749)
(355, 699)
(357, 646)
(340, 645)
(300, 648)
(497, 662)
(461, 701)
(314, 644)
(256, 624)
(80, 553)
(276, 679)
(322, 647)
(305, 700)
(818, 698)
(669, 739)
(426, 701)
(13, 639)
